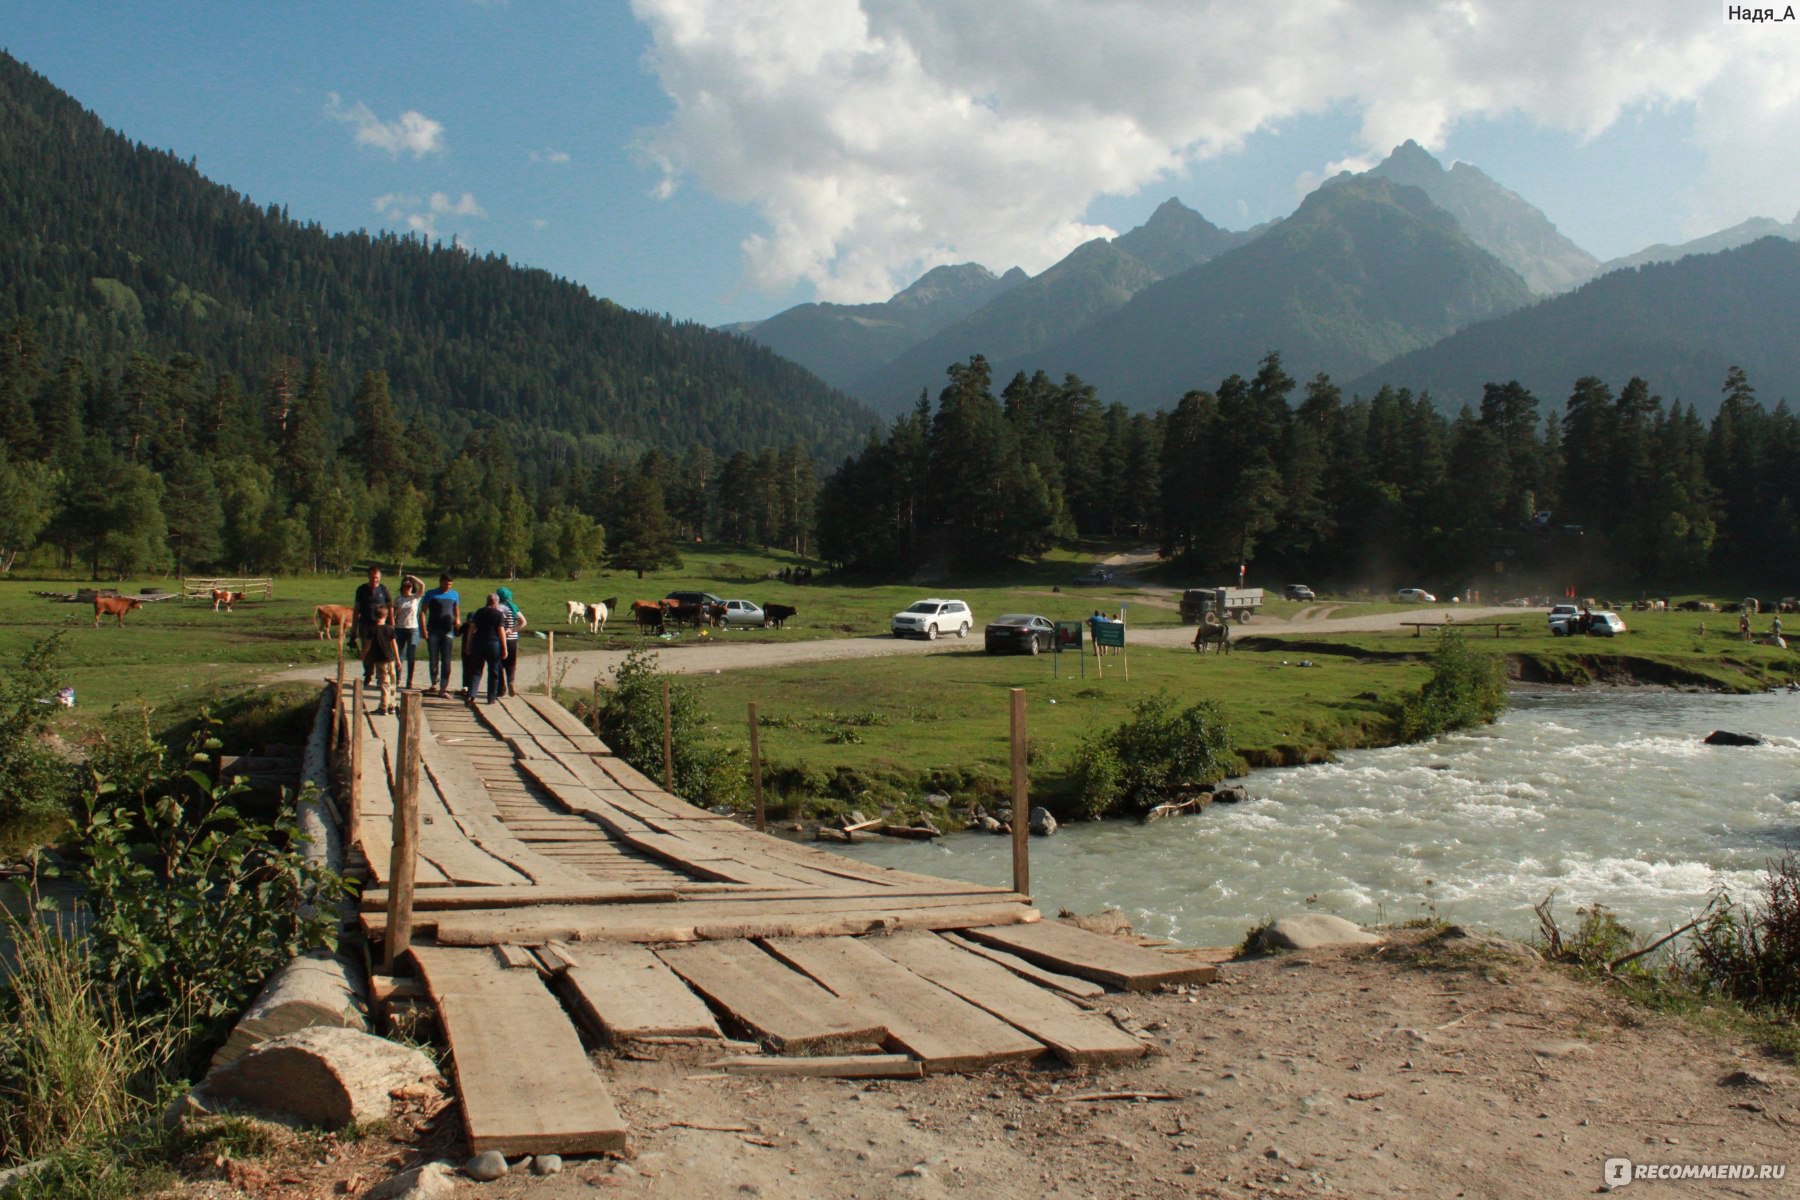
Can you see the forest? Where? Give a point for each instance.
(1303, 481)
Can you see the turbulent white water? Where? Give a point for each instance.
(1605, 796)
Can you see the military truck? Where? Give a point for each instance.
(1231, 604)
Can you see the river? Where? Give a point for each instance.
(1606, 795)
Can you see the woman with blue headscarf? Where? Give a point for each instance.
(515, 621)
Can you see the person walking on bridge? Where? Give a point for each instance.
(487, 650)
(441, 609)
(515, 621)
(372, 599)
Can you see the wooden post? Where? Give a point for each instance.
(550, 664)
(403, 866)
(668, 744)
(337, 703)
(353, 814)
(762, 823)
(1021, 799)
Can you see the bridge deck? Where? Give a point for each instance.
(560, 885)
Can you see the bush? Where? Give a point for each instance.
(1159, 752)
(1467, 688)
(628, 717)
(1753, 953)
(194, 904)
(35, 781)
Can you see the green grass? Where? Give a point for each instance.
(943, 719)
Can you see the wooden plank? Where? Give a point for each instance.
(1077, 1038)
(1068, 984)
(567, 724)
(944, 1032)
(457, 898)
(1074, 951)
(516, 958)
(833, 1066)
(627, 992)
(687, 921)
(780, 1005)
(524, 1080)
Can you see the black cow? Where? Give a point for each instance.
(775, 614)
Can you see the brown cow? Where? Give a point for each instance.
(327, 615)
(225, 599)
(115, 607)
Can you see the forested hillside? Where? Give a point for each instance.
(191, 383)
(110, 248)
(1679, 325)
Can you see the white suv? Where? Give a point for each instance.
(928, 618)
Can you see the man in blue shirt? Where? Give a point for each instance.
(442, 609)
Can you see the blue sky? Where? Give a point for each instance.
(721, 159)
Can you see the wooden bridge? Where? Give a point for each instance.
(560, 895)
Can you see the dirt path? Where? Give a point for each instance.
(721, 653)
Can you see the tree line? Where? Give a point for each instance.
(167, 465)
(1302, 480)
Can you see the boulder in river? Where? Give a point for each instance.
(1724, 737)
(1309, 931)
(1042, 823)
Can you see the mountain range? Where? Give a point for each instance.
(1411, 273)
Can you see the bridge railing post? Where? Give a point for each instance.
(668, 743)
(1021, 799)
(403, 866)
(762, 823)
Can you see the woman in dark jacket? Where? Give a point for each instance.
(487, 647)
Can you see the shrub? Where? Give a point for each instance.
(1163, 749)
(1467, 688)
(1753, 953)
(628, 717)
(194, 904)
(35, 781)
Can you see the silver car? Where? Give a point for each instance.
(744, 612)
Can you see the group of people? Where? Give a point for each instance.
(389, 630)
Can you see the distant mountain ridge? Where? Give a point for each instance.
(1679, 325)
(1741, 234)
(841, 342)
(1363, 271)
(1499, 221)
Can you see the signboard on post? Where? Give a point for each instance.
(1109, 633)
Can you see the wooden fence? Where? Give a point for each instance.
(202, 589)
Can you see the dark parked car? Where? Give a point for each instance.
(1021, 633)
(706, 598)
(1098, 575)
(1298, 591)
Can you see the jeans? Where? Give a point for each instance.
(511, 662)
(406, 641)
(488, 656)
(437, 645)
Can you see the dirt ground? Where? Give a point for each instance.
(1425, 1067)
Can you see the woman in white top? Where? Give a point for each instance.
(408, 624)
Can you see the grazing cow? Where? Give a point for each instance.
(683, 614)
(714, 615)
(1218, 634)
(327, 615)
(577, 611)
(650, 615)
(115, 607)
(598, 612)
(225, 599)
(775, 614)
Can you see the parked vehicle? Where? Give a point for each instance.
(693, 598)
(744, 612)
(929, 618)
(1562, 619)
(1298, 591)
(1020, 633)
(1416, 596)
(1098, 575)
(1605, 624)
(1231, 604)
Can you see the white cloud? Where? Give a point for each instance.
(880, 138)
(412, 133)
(556, 158)
(421, 215)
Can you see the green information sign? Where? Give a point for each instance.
(1109, 633)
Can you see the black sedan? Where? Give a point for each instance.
(1020, 633)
